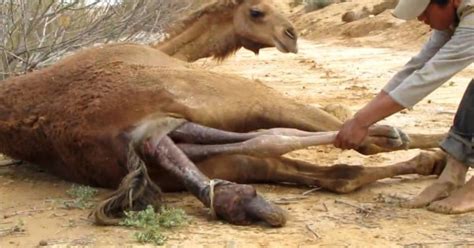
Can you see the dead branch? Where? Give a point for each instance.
(310, 229)
(359, 209)
(288, 200)
(453, 243)
(26, 212)
(311, 191)
(36, 33)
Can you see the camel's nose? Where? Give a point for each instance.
(291, 33)
(288, 39)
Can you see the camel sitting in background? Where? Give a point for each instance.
(132, 117)
(218, 30)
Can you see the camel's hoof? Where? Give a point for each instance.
(389, 137)
(431, 162)
(241, 205)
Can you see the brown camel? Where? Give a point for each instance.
(218, 30)
(128, 116)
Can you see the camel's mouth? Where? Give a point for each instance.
(253, 46)
(280, 46)
(283, 47)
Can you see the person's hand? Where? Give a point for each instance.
(351, 134)
(355, 130)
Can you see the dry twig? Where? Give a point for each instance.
(288, 200)
(6, 216)
(311, 191)
(315, 234)
(360, 209)
(325, 207)
(37, 33)
(453, 243)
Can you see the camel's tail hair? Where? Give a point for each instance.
(135, 193)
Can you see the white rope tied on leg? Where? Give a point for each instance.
(212, 184)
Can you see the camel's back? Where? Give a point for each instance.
(76, 116)
(129, 53)
(117, 95)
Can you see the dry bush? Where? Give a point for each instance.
(374, 10)
(36, 33)
(312, 5)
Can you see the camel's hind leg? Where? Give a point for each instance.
(236, 203)
(421, 141)
(337, 178)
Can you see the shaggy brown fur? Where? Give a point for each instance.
(76, 118)
(87, 118)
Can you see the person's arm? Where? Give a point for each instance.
(436, 41)
(454, 56)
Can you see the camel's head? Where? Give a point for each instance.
(259, 24)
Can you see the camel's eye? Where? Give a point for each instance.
(255, 13)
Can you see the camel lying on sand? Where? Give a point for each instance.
(132, 117)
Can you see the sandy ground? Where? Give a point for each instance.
(325, 71)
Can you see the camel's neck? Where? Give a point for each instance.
(207, 36)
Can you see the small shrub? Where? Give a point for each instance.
(312, 5)
(152, 224)
(18, 228)
(37, 33)
(82, 195)
(295, 3)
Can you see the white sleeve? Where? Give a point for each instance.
(436, 41)
(455, 55)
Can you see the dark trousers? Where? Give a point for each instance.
(460, 141)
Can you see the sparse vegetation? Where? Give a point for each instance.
(295, 3)
(312, 5)
(151, 224)
(19, 227)
(82, 195)
(37, 33)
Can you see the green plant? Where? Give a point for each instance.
(19, 227)
(295, 3)
(152, 224)
(312, 5)
(82, 195)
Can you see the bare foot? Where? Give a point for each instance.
(436, 191)
(452, 177)
(460, 201)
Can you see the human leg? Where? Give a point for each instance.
(459, 146)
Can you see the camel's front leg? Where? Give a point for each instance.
(265, 143)
(272, 145)
(194, 133)
(236, 203)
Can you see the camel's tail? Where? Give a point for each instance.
(135, 193)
